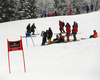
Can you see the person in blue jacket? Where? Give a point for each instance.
(91, 7)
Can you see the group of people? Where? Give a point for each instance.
(68, 29)
(59, 37)
(47, 35)
(86, 9)
(30, 29)
(44, 14)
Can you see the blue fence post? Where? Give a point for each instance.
(26, 42)
(32, 41)
(29, 35)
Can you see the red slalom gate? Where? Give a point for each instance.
(15, 46)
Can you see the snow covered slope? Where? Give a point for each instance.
(65, 61)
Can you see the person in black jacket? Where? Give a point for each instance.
(49, 35)
(28, 28)
(33, 29)
(44, 39)
(77, 11)
(87, 8)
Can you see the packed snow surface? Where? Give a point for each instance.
(78, 60)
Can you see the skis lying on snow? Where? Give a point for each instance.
(84, 38)
(35, 34)
(53, 42)
(71, 40)
(31, 36)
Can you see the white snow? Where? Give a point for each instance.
(64, 61)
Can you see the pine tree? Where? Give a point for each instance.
(30, 9)
(56, 3)
(77, 4)
(61, 6)
(7, 9)
(96, 4)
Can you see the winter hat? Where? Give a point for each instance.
(94, 30)
(33, 23)
(49, 28)
(74, 22)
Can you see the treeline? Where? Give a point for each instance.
(28, 9)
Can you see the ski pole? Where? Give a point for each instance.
(32, 41)
(37, 31)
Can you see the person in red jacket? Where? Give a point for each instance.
(61, 25)
(74, 31)
(53, 14)
(70, 11)
(68, 31)
(95, 35)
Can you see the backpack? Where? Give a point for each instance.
(63, 24)
(77, 25)
(42, 33)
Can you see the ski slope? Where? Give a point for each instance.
(64, 61)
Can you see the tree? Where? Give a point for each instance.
(7, 9)
(96, 4)
(77, 5)
(30, 9)
(61, 6)
(56, 3)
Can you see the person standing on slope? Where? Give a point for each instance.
(68, 31)
(74, 31)
(76, 24)
(70, 11)
(33, 29)
(28, 28)
(87, 8)
(44, 37)
(91, 7)
(61, 26)
(49, 35)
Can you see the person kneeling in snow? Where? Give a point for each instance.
(95, 35)
(59, 39)
(56, 39)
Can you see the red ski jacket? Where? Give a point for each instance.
(61, 25)
(95, 35)
(70, 11)
(75, 29)
(68, 30)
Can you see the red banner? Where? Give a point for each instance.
(14, 45)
